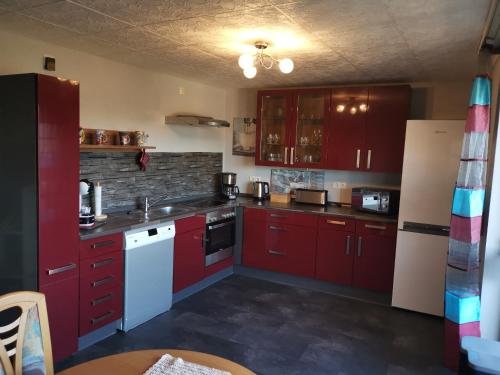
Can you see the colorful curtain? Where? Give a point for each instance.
(462, 304)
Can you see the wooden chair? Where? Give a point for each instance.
(25, 346)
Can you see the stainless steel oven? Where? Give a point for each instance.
(220, 235)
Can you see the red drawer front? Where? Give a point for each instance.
(105, 307)
(287, 217)
(101, 279)
(190, 223)
(376, 228)
(337, 223)
(255, 214)
(101, 266)
(101, 245)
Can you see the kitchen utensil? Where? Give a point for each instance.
(101, 137)
(260, 190)
(124, 138)
(229, 188)
(280, 197)
(228, 178)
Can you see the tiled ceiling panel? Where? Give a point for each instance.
(330, 41)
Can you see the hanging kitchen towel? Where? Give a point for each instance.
(144, 160)
(169, 365)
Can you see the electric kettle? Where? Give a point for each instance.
(260, 190)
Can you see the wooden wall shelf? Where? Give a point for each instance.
(113, 148)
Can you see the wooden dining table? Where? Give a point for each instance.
(137, 362)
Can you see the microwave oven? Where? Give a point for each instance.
(374, 200)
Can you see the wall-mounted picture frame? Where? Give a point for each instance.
(244, 131)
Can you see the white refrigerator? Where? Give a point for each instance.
(430, 169)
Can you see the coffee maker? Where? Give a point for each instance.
(229, 188)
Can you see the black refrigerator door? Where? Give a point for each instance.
(18, 183)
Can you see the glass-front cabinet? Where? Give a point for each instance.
(309, 128)
(291, 127)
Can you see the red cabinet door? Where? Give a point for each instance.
(346, 137)
(189, 259)
(274, 124)
(254, 242)
(58, 175)
(335, 256)
(62, 308)
(375, 253)
(385, 128)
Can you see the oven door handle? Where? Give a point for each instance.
(211, 227)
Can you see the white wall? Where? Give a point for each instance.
(122, 97)
(490, 293)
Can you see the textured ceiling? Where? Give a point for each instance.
(330, 41)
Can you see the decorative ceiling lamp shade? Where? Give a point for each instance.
(462, 303)
(247, 62)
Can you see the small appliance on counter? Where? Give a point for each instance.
(229, 188)
(311, 196)
(87, 218)
(377, 201)
(260, 190)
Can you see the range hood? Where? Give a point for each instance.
(193, 120)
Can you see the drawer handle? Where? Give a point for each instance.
(380, 227)
(102, 281)
(274, 227)
(274, 252)
(335, 222)
(102, 317)
(100, 300)
(62, 269)
(360, 246)
(102, 263)
(279, 216)
(103, 244)
(348, 245)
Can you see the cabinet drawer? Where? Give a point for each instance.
(376, 228)
(288, 217)
(100, 310)
(189, 223)
(91, 286)
(101, 245)
(101, 266)
(337, 223)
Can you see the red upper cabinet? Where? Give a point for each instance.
(58, 175)
(292, 127)
(346, 140)
(385, 128)
(274, 119)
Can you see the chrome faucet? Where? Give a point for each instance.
(148, 205)
(146, 208)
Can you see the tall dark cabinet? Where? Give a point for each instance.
(39, 166)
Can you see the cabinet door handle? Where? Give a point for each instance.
(348, 245)
(291, 155)
(102, 317)
(358, 155)
(102, 244)
(369, 160)
(274, 252)
(278, 216)
(273, 227)
(100, 300)
(286, 155)
(335, 222)
(62, 269)
(102, 263)
(360, 245)
(379, 227)
(102, 281)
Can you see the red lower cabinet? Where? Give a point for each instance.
(335, 250)
(375, 253)
(62, 308)
(189, 252)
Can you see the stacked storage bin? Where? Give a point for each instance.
(462, 304)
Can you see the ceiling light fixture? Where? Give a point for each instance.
(247, 61)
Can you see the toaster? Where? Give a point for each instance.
(311, 196)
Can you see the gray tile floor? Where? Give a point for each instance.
(279, 329)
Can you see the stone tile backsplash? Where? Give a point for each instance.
(173, 174)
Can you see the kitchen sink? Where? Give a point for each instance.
(167, 210)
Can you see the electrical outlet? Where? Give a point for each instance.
(342, 185)
(257, 178)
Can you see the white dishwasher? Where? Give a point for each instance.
(149, 260)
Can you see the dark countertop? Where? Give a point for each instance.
(124, 221)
